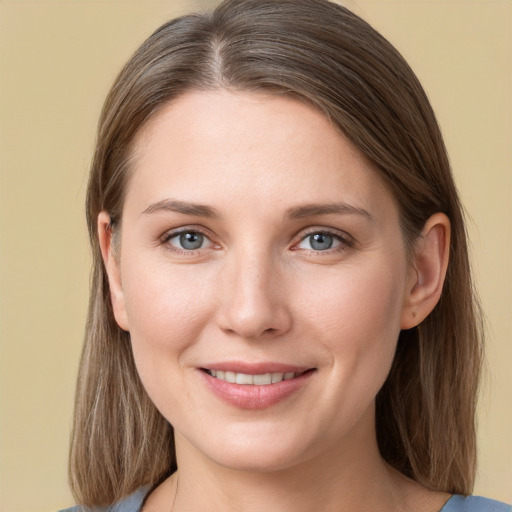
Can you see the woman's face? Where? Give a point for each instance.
(259, 246)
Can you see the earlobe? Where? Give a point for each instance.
(112, 267)
(430, 262)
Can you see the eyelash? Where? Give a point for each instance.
(345, 241)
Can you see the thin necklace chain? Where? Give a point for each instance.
(175, 493)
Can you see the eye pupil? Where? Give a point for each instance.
(191, 240)
(321, 241)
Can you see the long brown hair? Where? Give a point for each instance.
(323, 54)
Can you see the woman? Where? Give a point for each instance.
(282, 315)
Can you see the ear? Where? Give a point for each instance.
(112, 265)
(428, 270)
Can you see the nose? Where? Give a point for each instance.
(253, 300)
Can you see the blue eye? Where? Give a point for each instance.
(188, 240)
(320, 241)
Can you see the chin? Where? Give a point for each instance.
(256, 460)
(252, 448)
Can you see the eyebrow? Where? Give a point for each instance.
(173, 205)
(297, 212)
(310, 210)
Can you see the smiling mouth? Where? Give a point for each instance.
(263, 379)
(255, 386)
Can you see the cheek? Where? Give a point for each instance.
(356, 321)
(166, 307)
(356, 316)
(357, 299)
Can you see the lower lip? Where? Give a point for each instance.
(247, 396)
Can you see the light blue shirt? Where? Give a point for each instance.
(474, 504)
(133, 503)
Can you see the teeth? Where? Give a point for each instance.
(256, 380)
(244, 378)
(260, 380)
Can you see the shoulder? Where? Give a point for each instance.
(474, 504)
(132, 503)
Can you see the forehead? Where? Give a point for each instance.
(216, 145)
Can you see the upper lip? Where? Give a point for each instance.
(255, 368)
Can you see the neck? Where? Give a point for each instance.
(299, 489)
(351, 477)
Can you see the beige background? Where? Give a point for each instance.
(57, 60)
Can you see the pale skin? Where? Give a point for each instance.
(253, 231)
